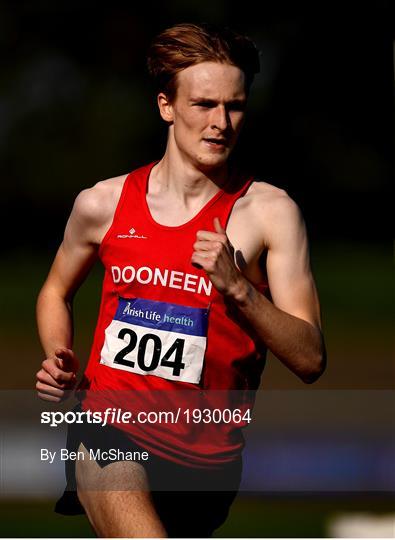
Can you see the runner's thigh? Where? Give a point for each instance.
(116, 498)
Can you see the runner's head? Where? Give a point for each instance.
(202, 75)
(185, 45)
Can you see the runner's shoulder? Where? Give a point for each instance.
(271, 202)
(97, 203)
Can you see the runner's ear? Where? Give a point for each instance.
(165, 107)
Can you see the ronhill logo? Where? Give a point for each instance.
(132, 234)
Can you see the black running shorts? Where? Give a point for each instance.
(196, 502)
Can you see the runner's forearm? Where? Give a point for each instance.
(54, 321)
(294, 341)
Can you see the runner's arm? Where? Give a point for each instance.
(72, 263)
(289, 326)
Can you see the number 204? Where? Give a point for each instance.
(144, 362)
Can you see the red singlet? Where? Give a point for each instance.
(165, 339)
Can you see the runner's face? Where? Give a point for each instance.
(208, 112)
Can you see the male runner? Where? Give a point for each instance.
(191, 249)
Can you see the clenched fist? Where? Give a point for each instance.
(214, 253)
(57, 376)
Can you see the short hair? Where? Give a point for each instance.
(186, 44)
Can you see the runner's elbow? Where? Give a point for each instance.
(316, 367)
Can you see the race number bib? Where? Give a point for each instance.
(157, 338)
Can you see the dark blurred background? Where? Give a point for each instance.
(76, 106)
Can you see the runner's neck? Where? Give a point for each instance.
(185, 184)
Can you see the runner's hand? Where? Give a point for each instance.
(57, 376)
(214, 253)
